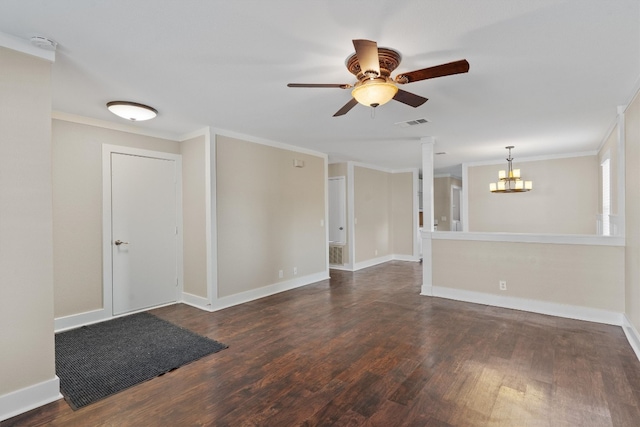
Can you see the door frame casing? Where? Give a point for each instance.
(107, 260)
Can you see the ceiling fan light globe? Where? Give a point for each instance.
(374, 92)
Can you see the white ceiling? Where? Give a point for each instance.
(545, 75)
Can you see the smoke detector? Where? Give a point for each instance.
(44, 43)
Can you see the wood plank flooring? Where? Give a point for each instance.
(364, 349)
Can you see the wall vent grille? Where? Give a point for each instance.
(412, 123)
(336, 255)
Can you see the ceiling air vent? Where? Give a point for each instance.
(412, 123)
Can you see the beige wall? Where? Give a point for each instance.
(372, 203)
(632, 212)
(442, 201)
(338, 169)
(402, 215)
(77, 209)
(577, 275)
(194, 216)
(563, 199)
(26, 261)
(383, 212)
(269, 215)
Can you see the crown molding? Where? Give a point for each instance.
(73, 118)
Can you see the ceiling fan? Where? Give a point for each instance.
(372, 66)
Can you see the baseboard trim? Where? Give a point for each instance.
(375, 261)
(65, 323)
(371, 262)
(534, 306)
(196, 301)
(426, 290)
(632, 335)
(74, 321)
(409, 258)
(28, 398)
(268, 290)
(344, 267)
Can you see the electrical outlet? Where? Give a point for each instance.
(281, 274)
(295, 270)
(503, 285)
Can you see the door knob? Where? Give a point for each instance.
(120, 242)
(340, 228)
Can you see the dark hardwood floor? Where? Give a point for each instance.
(364, 349)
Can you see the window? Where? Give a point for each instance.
(605, 167)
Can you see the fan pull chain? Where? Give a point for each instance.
(373, 113)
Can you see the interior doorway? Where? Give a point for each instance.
(337, 211)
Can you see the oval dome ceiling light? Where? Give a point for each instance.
(132, 110)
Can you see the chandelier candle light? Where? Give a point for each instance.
(510, 181)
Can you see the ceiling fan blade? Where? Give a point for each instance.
(455, 67)
(348, 106)
(367, 53)
(337, 85)
(409, 98)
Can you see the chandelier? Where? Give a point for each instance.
(510, 181)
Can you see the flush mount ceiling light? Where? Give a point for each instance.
(132, 110)
(510, 181)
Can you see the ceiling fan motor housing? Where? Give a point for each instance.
(389, 60)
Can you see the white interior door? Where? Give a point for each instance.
(144, 232)
(337, 210)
